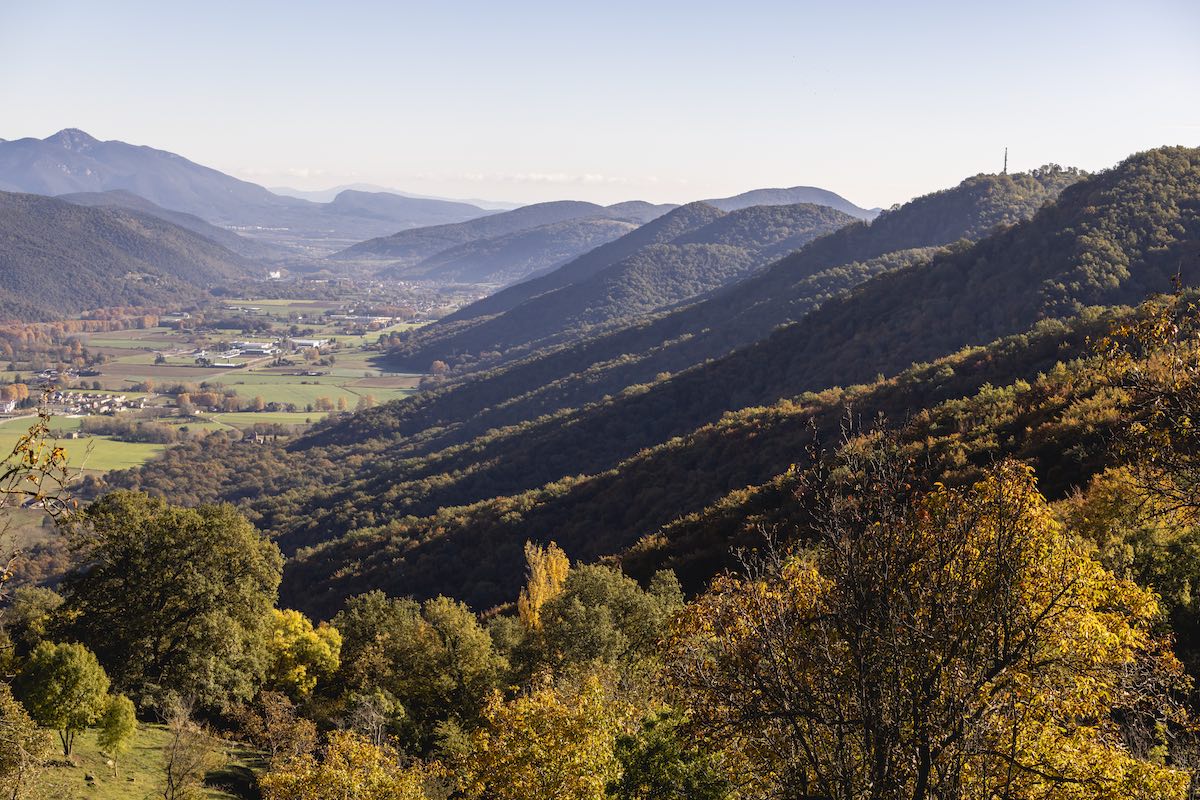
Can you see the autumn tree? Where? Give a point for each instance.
(117, 726)
(961, 644)
(274, 726)
(173, 599)
(556, 740)
(350, 766)
(24, 747)
(661, 761)
(189, 754)
(599, 614)
(298, 654)
(429, 662)
(65, 689)
(35, 473)
(29, 615)
(546, 569)
(1153, 359)
(1141, 536)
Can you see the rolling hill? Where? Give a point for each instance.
(711, 249)
(390, 208)
(660, 230)
(515, 256)
(69, 258)
(119, 198)
(792, 196)
(407, 249)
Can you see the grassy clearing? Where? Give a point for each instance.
(275, 388)
(138, 771)
(94, 453)
(248, 419)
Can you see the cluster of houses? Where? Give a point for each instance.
(254, 349)
(93, 402)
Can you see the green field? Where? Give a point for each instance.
(94, 453)
(132, 355)
(247, 419)
(356, 373)
(139, 771)
(276, 388)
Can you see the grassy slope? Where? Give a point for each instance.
(138, 771)
(95, 453)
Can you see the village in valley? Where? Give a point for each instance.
(248, 367)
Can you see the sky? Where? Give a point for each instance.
(661, 101)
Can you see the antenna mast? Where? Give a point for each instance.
(1005, 162)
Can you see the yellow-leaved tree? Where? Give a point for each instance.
(351, 766)
(1153, 360)
(299, 653)
(556, 741)
(941, 644)
(547, 572)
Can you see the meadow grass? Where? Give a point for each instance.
(138, 771)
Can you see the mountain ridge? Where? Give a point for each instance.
(72, 161)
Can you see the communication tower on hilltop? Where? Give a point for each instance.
(1005, 172)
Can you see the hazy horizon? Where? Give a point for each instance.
(667, 104)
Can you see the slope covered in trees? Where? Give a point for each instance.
(600, 686)
(750, 309)
(410, 247)
(515, 256)
(661, 230)
(574, 375)
(791, 196)
(59, 258)
(120, 198)
(649, 277)
(427, 522)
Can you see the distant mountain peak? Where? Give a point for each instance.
(73, 139)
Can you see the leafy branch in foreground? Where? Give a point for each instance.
(34, 475)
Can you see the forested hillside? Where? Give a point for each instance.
(515, 256)
(750, 309)
(659, 273)
(58, 258)
(410, 247)
(1107, 241)
(575, 375)
(791, 196)
(660, 230)
(119, 198)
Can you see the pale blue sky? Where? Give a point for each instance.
(666, 101)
